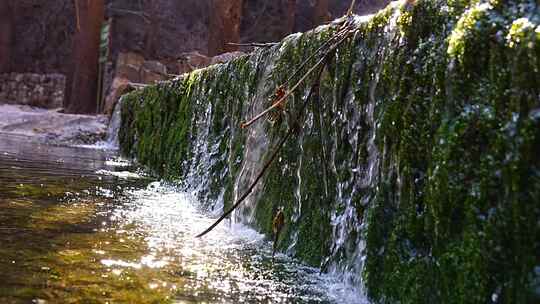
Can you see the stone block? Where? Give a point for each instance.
(188, 62)
(155, 67)
(22, 97)
(130, 58)
(34, 78)
(56, 102)
(226, 57)
(130, 72)
(151, 77)
(119, 87)
(13, 86)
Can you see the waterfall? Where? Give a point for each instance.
(371, 184)
(223, 160)
(258, 145)
(355, 194)
(111, 140)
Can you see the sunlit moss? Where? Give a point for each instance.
(404, 19)
(467, 26)
(520, 30)
(381, 19)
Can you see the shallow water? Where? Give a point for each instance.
(82, 226)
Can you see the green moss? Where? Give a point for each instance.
(441, 198)
(467, 31)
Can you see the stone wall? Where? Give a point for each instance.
(42, 90)
(134, 68)
(42, 36)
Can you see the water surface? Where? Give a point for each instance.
(80, 225)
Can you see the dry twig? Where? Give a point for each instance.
(345, 34)
(279, 102)
(268, 163)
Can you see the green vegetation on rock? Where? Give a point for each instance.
(426, 127)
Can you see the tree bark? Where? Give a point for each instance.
(291, 15)
(82, 82)
(224, 27)
(6, 34)
(152, 38)
(320, 12)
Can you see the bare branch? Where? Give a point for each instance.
(345, 34)
(268, 163)
(351, 8)
(279, 102)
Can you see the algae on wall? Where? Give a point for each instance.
(417, 166)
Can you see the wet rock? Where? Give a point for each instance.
(152, 71)
(120, 86)
(190, 61)
(226, 57)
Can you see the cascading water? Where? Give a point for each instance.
(355, 194)
(256, 144)
(111, 139)
(203, 150)
(331, 123)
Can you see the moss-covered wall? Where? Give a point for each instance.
(419, 152)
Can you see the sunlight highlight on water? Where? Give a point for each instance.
(81, 225)
(232, 262)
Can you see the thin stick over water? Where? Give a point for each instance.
(270, 161)
(289, 92)
(283, 140)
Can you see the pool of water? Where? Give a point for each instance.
(81, 225)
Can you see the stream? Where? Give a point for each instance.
(80, 225)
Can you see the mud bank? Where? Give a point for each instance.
(52, 127)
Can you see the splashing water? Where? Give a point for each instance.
(67, 220)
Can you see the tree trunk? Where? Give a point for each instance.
(6, 34)
(152, 38)
(224, 28)
(82, 82)
(320, 12)
(291, 15)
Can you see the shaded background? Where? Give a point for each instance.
(37, 36)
